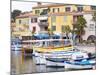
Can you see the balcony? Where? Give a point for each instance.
(43, 23)
(40, 18)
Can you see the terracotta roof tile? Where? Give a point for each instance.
(25, 15)
(49, 5)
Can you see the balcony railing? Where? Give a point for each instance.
(43, 23)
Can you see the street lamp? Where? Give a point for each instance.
(74, 35)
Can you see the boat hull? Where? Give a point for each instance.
(54, 64)
(71, 66)
(40, 60)
(84, 64)
(15, 48)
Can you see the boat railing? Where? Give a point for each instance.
(48, 43)
(30, 41)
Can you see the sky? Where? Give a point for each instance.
(23, 6)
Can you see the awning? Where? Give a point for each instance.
(56, 36)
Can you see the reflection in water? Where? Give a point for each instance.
(21, 64)
(25, 65)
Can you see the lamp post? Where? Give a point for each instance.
(74, 35)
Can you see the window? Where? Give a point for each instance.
(92, 27)
(19, 21)
(33, 20)
(34, 29)
(44, 12)
(53, 10)
(58, 9)
(75, 17)
(67, 9)
(65, 18)
(93, 7)
(37, 11)
(53, 28)
(80, 9)
(53, 19)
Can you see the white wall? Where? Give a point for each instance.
(31, 25)
(88, 30)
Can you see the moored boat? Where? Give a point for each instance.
(51, 45)
(54, 64)
(40, 60)
(84, 64)
(16, 44)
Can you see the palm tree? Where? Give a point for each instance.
(66, 30)
(94, 16)
(79, 26)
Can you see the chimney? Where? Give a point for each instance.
(39, 3)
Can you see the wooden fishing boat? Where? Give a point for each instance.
(72, 64)
(84, 64)
(52, 45)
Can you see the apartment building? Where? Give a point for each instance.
(22, 24)
(59, 16)
(55, 17)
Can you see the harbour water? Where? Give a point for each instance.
(21, 64)
(25, 65)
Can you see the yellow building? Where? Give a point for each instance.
(22, 25)
(50, 16)
(60, 15)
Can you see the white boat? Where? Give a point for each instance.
(54, 58)
(40, 60)
(71, 66)
(16, 47)
(54, 64)
(75, 55)
(16, 44)
(64, 55)
(85, 64)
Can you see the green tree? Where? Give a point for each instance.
(50, 32)
(94, 16)
(79, 27)
(66, 29)
(15, 13)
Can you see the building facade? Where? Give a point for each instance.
(90, 30)
(56, 17)
(22, 24)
